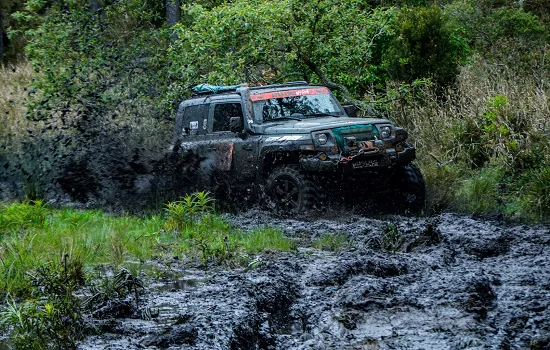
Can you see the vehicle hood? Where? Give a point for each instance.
(314, 124)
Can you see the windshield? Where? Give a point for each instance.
(294, 104)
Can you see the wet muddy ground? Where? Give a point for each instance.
(453, 282)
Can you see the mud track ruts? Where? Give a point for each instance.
(479, 285)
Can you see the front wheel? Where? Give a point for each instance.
(289, 189)
(410, 189)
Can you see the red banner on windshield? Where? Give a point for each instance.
(289, 93)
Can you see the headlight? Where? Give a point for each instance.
(321, 138)
(385, 132)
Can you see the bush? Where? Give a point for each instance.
(53, 318)
(425, 45)
(189, 210)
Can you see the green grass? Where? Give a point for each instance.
(479, 193)
(332, 241)
(32, 235)
(47, 255)
(265, 239)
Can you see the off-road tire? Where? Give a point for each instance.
(289, 190)
(410, 189)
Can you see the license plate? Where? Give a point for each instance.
(365, 164)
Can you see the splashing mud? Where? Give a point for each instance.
(452, 282)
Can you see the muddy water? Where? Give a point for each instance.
(453, 283)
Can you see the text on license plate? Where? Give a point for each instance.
(365, 164)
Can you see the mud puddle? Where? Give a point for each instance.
(449, 282)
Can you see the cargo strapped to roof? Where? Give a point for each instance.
(214, 89)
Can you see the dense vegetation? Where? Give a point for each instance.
(468, 79)
(48, 255)
(90, 87)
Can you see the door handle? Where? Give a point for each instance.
(248, 147)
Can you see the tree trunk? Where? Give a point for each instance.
(2, 53)
(94, 5)
(173, 12)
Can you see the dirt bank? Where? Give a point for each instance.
(453, 282)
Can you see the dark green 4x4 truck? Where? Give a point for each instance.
(294, 146)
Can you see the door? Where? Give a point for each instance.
(236, 159)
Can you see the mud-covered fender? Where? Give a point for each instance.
(282, 149)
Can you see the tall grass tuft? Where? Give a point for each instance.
(495, 117)
(19, 216)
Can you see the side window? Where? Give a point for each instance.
(194, 120)
(223, 113)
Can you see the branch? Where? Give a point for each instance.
(326, 81)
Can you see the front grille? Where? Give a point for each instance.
(348, 138)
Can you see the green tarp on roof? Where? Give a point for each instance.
(207, 88)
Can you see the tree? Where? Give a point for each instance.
(327, 41)
(2, 53)
(173, 12)
(425, 46)
(11, 49)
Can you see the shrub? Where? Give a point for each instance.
(425, 45)
(53, 318)
(187, 211)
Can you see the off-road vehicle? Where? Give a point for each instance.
(295, 146)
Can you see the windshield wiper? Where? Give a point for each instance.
(285, 117)
(321, 114)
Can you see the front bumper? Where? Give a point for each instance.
(360, 162)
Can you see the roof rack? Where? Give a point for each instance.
(290, 83)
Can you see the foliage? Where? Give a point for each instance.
(91, 235)
(480, 191)
(332, 242)
(264, 41)
(536, 200)
(391, 239)
(266, 239)
(105, 288)
(188, 210)
(494, 118)
(99, 88)
(53, 318)
(425, 45)
(20, 216)
(94, 64)
(215, 241)
(484, 26)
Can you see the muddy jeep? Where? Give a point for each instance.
(295, 147)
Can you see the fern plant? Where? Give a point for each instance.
(188, 210)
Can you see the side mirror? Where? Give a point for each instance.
(351, 111)
(236, 124)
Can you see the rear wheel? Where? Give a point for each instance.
(290, 190)
(410, 189)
